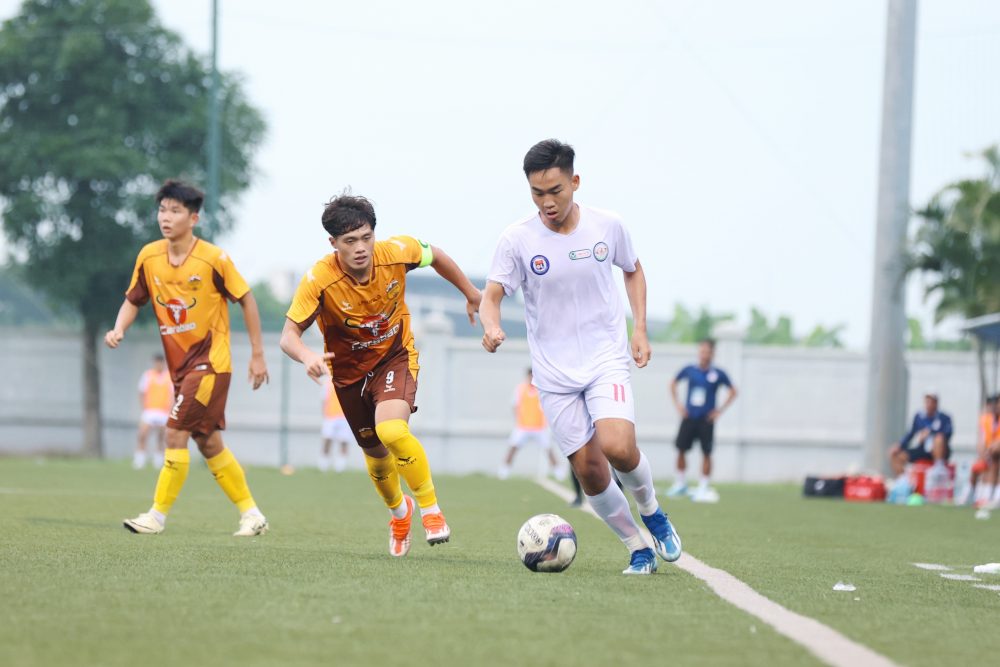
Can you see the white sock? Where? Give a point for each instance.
(399, 511)
(253, 511)
(160, 516)
(682, 477)
(612, 506)
(639, 482)
(996, 493)
(703, 483)
(433, 509)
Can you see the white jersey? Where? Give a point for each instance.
(574, 313)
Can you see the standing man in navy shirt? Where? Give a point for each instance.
(698, 416)
(929, 437)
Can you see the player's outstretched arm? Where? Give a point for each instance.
(292, 344)
(489, 315)
(635, 287)
(450, 271)
(257, 375)
(126, 316)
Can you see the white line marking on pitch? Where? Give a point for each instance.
(959, 577)
(934, 567)
(822, 641)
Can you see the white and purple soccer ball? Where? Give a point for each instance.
(546, 543)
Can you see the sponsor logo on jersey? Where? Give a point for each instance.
(374, 324)
(364, 345)
(580, 254)
(177, 309)
(540, 265)
(600, 251)
(712, 376)
(194, 283)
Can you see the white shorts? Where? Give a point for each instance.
(571, 416)
(337, 429)
(520, 437)
(154, 417)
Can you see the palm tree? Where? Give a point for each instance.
(957, 244)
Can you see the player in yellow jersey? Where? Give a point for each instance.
(529, 427)
(156, 396)
(355, 295)
(189, 280)
(335, 429)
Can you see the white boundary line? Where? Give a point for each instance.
(822, 641)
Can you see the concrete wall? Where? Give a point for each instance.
(800, 411)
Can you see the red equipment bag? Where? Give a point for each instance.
(864, 489)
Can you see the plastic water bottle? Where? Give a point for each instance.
(938, 484)
(961, 482)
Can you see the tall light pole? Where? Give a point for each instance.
(886, 366)
(214, 135)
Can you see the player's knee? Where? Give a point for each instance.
(392, 430)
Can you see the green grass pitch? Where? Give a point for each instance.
(320, 588)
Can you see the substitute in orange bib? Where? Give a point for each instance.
(529, 427)
(335, 431)
(189, 281)
(356, 297)
(156, 396)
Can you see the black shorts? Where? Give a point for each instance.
(700, 429)
(918, 453)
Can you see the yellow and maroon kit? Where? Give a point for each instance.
(190, 303)
(367, 327)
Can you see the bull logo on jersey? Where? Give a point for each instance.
(375, 324)
(176, 308)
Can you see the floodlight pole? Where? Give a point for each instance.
(887, 377)
(214, 136)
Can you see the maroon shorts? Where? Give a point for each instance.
(390, 380)
(200, 402)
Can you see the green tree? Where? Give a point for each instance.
(686, 327)
(957, 246)
(98, 104)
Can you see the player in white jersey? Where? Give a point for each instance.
(562, 258)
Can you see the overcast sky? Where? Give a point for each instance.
(739, 140)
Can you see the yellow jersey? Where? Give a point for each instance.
(362, 323)
(529, 408)
(189, 301)
(157, 391)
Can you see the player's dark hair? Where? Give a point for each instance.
(185, 193)
(707, 341)
(548, 154)
(345, 213)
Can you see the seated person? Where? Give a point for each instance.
(928, 439)
(983, 477)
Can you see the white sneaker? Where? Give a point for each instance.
(560, 473)
(503, 473)
(250, 525)
(145, 523)
(323, 463)
(339, 464)
(139, 460)
(678, 489)
(705, 494)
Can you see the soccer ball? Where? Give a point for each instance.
(546, 543)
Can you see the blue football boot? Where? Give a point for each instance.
(666, 541)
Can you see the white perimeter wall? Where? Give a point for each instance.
(800, 411)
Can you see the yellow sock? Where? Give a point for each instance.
(411, 460)
(229, 474)
(172, 475)
(386, 479)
